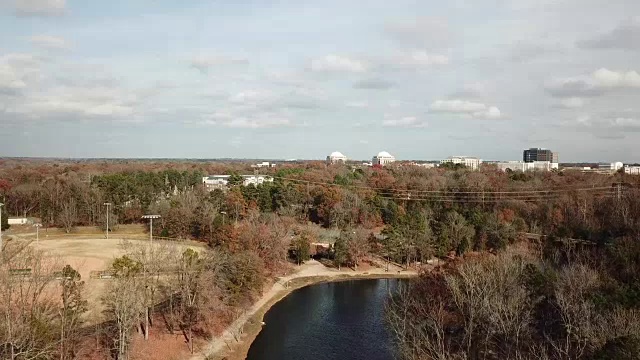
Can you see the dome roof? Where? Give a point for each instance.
(383, 154)
(336, 154)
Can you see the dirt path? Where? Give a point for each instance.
(237, 339)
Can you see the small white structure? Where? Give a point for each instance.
(263, 164)
(614, 166)
(472, 163)
(426, 165)
(527, 166)
(383, 158)
(336, 157)
(17, 221)
(632, 170)
(213, 182)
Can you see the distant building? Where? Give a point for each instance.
(424, 165)
(336, 157)
(538, 154)
(17, 221)
(263, 164)
(632, 170)
(472, 163)
(383, 158)
(614, 166)
(527, 166)
(602, 168)
(213, 182)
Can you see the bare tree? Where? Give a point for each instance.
(123, 303)
(68, 215)
(28, 330)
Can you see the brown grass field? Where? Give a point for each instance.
(86, 249)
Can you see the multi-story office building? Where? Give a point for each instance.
(538, 154)
(527, 166)
(472, 163)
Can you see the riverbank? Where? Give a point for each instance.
(235, 341)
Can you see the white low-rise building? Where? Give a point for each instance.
(472, 163)
(632, 170)
(336, 157)
(263, 164)
(527, 166)
(213, 182)
(383, 158)
(17, 221)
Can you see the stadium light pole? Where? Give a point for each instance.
(37, 226)
(107, 204)
(151, 217)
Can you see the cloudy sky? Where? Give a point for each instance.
(420, 79)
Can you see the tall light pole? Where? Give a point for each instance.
(107, 204)
(37, 226)
(1, 204)
(151, 217)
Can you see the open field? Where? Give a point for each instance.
(87, 250)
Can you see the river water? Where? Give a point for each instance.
(332, 321)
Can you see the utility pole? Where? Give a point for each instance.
(619, 191)
(107, 204)
(224, 214)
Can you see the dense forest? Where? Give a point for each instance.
(405, 213)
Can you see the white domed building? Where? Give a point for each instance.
(383, 158)
(336, 157)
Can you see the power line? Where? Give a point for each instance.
(455, 192)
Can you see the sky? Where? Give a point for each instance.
(300, 79)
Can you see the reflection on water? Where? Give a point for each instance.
(341, 320)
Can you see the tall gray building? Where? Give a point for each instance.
(538, 154)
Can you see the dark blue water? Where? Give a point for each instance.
(333, 321)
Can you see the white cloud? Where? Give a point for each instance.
(420, 58)
(17, 71)
(594, 84)
(608, 127)
(466, 108)
(627, 123)
(405, 122)
(40, 7)
(204, 62)
(357, 104)
(249, 97)
(572, 103)
(258, 121)
(607, 78)
(490, 113)
(337, 63)
(457, 106)
(49, 42)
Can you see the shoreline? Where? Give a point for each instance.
(235, 341)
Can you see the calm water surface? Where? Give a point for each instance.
(333, 321)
